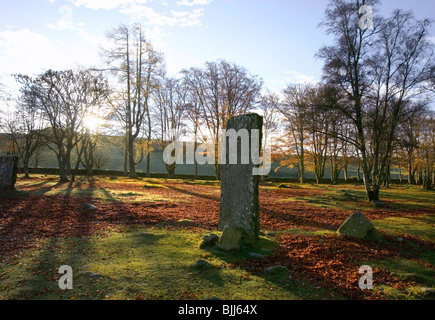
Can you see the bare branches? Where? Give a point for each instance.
(136, 65)
(219, 91)
(63, 99)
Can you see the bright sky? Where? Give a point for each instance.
(274, 39)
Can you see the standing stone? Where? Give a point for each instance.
(358, 226)
(8, 172)
(231, 239)
(239, 206)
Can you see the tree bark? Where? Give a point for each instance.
(132, 164)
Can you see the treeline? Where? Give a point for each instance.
(314, 135)
(372, 107)
(373, 104)
(385, 76)
(63, 109)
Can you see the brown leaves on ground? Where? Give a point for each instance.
(333, 262)
(325, 261)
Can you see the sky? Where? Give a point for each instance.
(274, 39)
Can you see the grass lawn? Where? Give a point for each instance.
(140, 264)
(143, 242)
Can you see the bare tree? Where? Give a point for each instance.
(408, 137)
(25, 127)
(426, 151)
(102, 159)
(401, 69)
(319, 119)
(4, 97)
(344, 67)
(94, 125)
(295, 109)
(378, 70)
(63, 98)
(136, 64)
(222, 90)
(170, 103)
(193, 118)
(269, 105)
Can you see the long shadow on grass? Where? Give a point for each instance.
(209, 273)
(194, 194)
(244, 260)
(18, 193)
(42, 217)
(60, 225)
(71, 249)
(21, 211)
(16, 231)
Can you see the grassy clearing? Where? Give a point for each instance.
(409, 196)
(159, 264)
(336, 198)
(140, 264)
(105, 194)
(351, 197)
(86, 187)
(420, 269)
(421, 272)
(306, 232)
(422, 227)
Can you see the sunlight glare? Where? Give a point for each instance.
(93, 123)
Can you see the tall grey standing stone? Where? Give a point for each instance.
(239, 206)
(8, 172)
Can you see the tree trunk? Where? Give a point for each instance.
(217, 169)
(375, 193)
(63, 176)
(196, 163)
(126, 163)
(131, 162)
(37, 154)
(427, 183)
(90, 168)
(419, 178)
(149, 160)
(26, 173)
(410, 173)
(358, 172)
(302, 160)
(77, 166)
(68, 161)
(217, 166)
(26, 168)
(171, 170)
(366, 179)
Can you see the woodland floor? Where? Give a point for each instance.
(144, 240)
